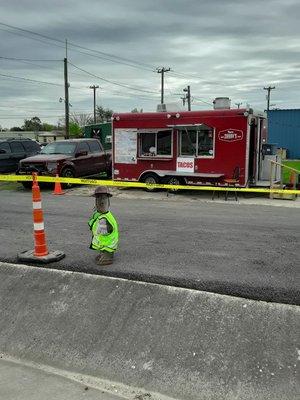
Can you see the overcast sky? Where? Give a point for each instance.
(229, 48)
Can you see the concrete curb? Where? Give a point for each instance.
(182, 343)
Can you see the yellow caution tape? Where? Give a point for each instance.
(102, 182)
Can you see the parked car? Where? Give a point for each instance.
(13, 150)
(69, 158)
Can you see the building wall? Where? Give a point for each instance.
(284, 130)
(40, 136)
(17, 134)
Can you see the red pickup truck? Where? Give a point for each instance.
(69, 158)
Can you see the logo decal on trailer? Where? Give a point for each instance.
(231, 135)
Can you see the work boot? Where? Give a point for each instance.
(104, 258)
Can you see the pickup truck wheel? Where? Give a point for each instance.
(151, 179)
(67, 173)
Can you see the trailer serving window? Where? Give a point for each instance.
(198, 142)
(155, 143)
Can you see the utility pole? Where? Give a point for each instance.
(67, 112)
(188, 96)
(94, 87)
(162, 71)
(269, 88)
(238, 104)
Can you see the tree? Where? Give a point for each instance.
(48, 127)
(33, 124)
(81, 119)
(103, 114)
(135, 110)
(75, 130)
(16, 129)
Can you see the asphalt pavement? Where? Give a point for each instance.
(242, 250)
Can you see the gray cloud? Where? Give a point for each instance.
(223, 47)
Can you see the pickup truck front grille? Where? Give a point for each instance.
(33, 167)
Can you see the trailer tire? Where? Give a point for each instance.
(150, 179)
(174, 180)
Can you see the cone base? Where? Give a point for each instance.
(28, 255)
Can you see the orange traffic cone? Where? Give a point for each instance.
(40, 252)
(57, 187)
(292, 179)
(40, 246)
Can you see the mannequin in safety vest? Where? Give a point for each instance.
(104, 227)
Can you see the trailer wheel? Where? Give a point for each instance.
(150, 179)
(174, 180)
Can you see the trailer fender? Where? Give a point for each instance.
(159, 174)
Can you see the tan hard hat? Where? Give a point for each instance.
(100, 190)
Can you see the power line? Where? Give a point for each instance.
(196, 98)
(19, 116)
(38, 81)
(109, 57)
(109, 81)
(98, 54)
(202, 101)
(29, 37)
(112, 56)
(25, 116)
(36, 110)
(30, 80)
(26, 59)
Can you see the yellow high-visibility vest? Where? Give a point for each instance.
(104, 242)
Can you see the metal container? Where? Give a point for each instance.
(221, 103)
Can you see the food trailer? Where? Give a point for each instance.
(189, 147)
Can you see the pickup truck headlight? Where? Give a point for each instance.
(52, 167)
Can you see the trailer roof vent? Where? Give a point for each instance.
(169, 107)
(221, 103)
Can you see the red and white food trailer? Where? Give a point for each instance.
(189, 147)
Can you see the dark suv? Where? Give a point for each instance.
(69, 158)
(13, 150)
